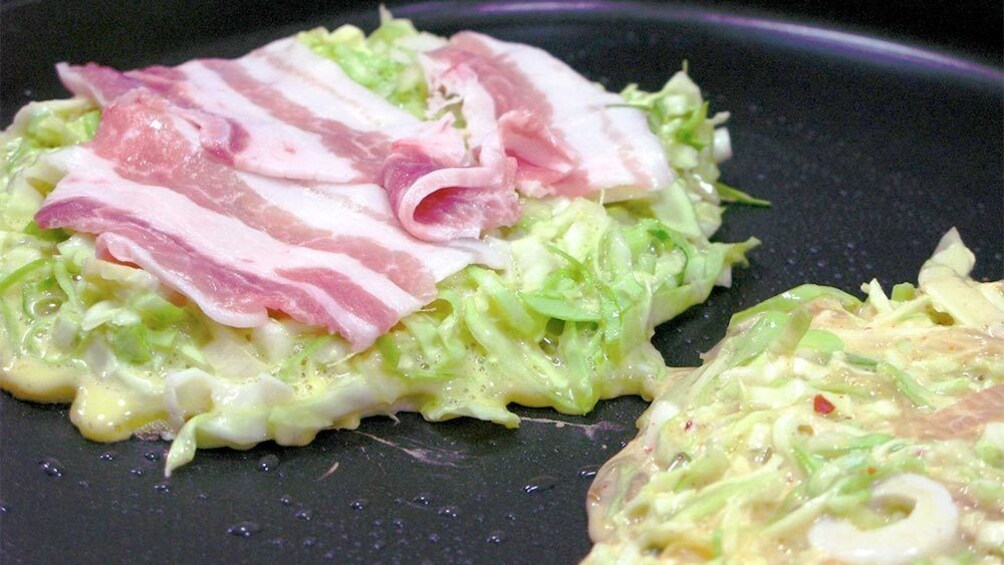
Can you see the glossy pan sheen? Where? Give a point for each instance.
(869, 151)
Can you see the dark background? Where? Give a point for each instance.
(120, 31)
(868, 152)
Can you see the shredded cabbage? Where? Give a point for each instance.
(567, 324)
(384, 62)
(824, 427)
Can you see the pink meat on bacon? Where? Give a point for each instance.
(279, 111)
(963, 420)
(282, 111)
(567, 134)
(95, 82)
(240, 244)
(439, 195)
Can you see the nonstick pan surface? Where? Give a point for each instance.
(869, 150)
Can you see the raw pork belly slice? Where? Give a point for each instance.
(563, 130)
(280, 110)
(440, 194)
(283, 111)
(964, 419)
(240, 244)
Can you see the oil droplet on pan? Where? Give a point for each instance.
(540, 484)
(268, 463)
(244, 529)
(51, 467)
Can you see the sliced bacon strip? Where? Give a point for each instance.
(240, 244)
(279, 111)
(283, 111)
(440, 196)
(97, 83)
(234, 276)
(565, 132)
(963, 420)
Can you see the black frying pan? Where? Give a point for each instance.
(869, 150)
